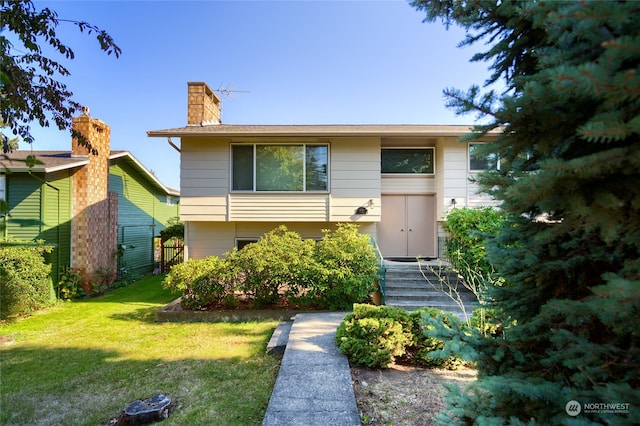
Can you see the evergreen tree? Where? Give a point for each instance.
(569, 183)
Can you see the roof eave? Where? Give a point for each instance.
(153, 178)
(315, 131)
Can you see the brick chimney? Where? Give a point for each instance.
(204, 105)
(94, 227)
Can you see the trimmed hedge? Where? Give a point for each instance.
(25, 279)
(379, 336)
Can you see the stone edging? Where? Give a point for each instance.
(172, 313)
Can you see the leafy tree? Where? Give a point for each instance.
(569, 249)
(30, 89)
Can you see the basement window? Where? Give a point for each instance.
(242, 242)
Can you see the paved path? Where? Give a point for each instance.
(314, 386)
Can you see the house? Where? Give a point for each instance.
(396, 181)
(100, 212)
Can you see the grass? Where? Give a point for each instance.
(82, 362)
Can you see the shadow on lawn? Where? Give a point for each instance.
(43, 385)
(148, 289)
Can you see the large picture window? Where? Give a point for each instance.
(407, 160)
(481, 161)
(279, 167)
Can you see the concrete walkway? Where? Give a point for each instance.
(314, 386)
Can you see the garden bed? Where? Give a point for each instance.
(173, 312)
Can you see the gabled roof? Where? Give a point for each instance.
(53, 161)
(384, 130)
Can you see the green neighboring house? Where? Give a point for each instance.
(41, 205)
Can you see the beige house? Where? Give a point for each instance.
(396, 181)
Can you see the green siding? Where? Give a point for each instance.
(40, 212)
(142, 214)
(56, 226)
(24, 197)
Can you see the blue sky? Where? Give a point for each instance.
(301, 62)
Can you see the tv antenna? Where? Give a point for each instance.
(227, 92)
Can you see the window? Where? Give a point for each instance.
(480, 161)
(3, 193)
(170, 200)
(273, 167)
(407, 160)
(242, 242)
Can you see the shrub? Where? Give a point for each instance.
(469, 231)
(276, 266)
(374, 336)
(346, 268)
(378, 336)
(332, 274)
(427, 349)
(203, 282)
(70, 285)
(25, 278)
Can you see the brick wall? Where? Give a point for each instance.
(203, 104)
(95, 212)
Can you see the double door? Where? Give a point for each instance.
(408, 226)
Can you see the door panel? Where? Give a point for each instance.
(392, 228)
(421, 225)
(407, 226)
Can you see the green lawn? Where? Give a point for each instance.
(80, 363)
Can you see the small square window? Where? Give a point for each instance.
(482, 161)
(242, 242)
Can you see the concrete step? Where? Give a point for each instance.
(410, 286)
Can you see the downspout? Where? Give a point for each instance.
(174, 146)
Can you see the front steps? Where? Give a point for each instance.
(406, 287)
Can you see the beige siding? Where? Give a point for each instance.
(408, 185)
(204, 179)
(355, 179)
(343, 209)
(278, 207)
(203, 208)
(209, 238)
(475, 198)
(257, 229)
(451, 180)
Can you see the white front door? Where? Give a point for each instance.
(408, 226)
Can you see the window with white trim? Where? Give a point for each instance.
(280, 167)
(407, 161)
(3, 190)
(480, 161)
